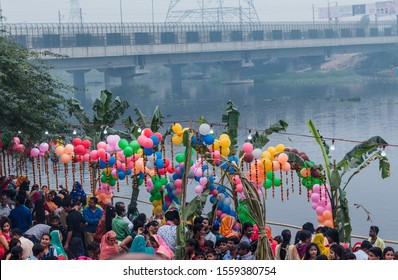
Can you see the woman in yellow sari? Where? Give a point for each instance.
(319, 240)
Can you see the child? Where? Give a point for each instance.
(244, 252)
(222, 248)
(37, 251)
(311, 252)
(93, 250)
(209, 245)
(199, 255)
(211, 255)
(56, 225)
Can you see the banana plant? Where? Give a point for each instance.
(357, 159)
(104, 111)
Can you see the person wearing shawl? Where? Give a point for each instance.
(158, 244)
(272, 241)
(226, 227)
(56, 242)
(139, 246)
(49, 205)
(78, 193)
(109, 246)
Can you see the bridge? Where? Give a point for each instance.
(124, 50)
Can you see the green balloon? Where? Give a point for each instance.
(153, 192)
(270, 174)
(134, 145)
(158, 185)
(164, 181)
(304, 182)
(155, 178)
(180, 158)
(112, 181)
(277, 182)
(158, 196)
(151, 199)
(267, 183)
(128, 151)
(123, 143)
(103, 178)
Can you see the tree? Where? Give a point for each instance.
(31, 98)
(356, 159)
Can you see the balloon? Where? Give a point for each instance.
(282, 158)
(180, 158)
(305, 172)
(176, 139)
(80, 150)
(177, 128)
(247, 147)
(134, 145)
(123, 143)
(101, 145)
(267, 155)
(159, 136)
(86, 143)
(327, 215)
(127, 151)
(276, 165)
(148, 143)
(239, 188)
(286, 166)
(319, 210)
(328, 223)
(280, 148)
(225, 142)
(76, 142)
(208, 139)
(155, 140)
(65, 158)
(147, 132)
(316, 188)
(321, 219)
(69, 149)
(35, 152)
(257, 153)
(225, 152)
(59, 150)
(315, 197)
(43, 147)
(198, 189)
(248, 157)
(204, 129)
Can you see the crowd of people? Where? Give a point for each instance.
(42, 224)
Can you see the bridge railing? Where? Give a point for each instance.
(39, 36)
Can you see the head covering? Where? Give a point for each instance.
(107, 248)
(319, 240)
(139, 246)
(163, 246)
(356, 246)
(226, 227)
(268, 232)
(77, 191)
(163, 253)
(57, 244)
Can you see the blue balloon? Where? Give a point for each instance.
(111, 161)
(224, 165)
(232, 213)
(208, 139)
(142, 175)
(204, 167)
(226, 208)
(158, 154)
(195, 141)
(164, 206)
(159, 163)
(155, 140)
(220, 205)
(212, 199)
(234, 158)
(221, 189)
(129, 171)
(102, 164)
(121, 175)
(197, 178)
(231, 170)
(148, 151)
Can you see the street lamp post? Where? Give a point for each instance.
(121, 12)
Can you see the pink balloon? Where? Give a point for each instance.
(114, 173)
(198, 189)
(111, 140)
(239, 188)
(35, 152)
(178, 183)
(315, 197)
(109, 148)
(101, 145)
(314, 205)
(42, 154)
(247, 147)
(141, 140)
(86, 157)
(218, 213)
(147, 132)
(316, 188)
(43, 147)
(328, 207)
(203, 181)
(198, 172)
(148, 143)
(94, 154)
(237, 226)
(17, 140)
(319, 210)
(223, 215)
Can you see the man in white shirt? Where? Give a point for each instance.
(5, 207)
(208, 234)
(362, 253)
(26, 244)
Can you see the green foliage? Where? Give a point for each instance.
(259, 140)
(231, 120)
(142, 122)
(30, 97)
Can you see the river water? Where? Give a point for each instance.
(354, 112)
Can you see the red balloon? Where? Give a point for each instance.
(86, 143)
(158, 135)
(80, 150)
(147, 132)
(76, 142)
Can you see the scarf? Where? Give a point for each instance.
(57, 244)
(163, 248)
(108, 249)
(139, 246)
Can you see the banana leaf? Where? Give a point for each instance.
(142, 119)
(343, 218)
(231, 121)
(157, 120)
(260, 139)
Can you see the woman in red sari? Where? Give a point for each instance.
(5, 237)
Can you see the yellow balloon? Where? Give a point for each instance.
(266, 154)
(157, 210)
(225, 143)
(108, 171)
(280, 148)
(177, 128)
(177, 140)
(225, 152)
(216, 145)
(267, 164)
(156, 203)
(271, 150)
(140, 152)
(224, 136)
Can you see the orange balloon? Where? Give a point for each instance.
(321, 219)
(69, 149)
(282, 158)
(65, 158)
(59, 150)
(327, 214)
(305, 172)
(286, 166)
(276, 165)
(328, 223)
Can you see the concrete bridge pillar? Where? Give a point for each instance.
(126, 75)
(234, 68)
(176, 76)
(79, 83)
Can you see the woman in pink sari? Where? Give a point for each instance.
(160, 246)
(109, 246)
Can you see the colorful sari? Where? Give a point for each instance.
(2, 248)
(226, 227)
(139, 246)
(163, 248)
(107, 248)
(57, 244)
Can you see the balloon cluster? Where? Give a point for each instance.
(204, 136)
(179, 131)
(41, 151)
(321, 204)
(17, 146)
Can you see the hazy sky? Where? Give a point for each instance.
(33, 11)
